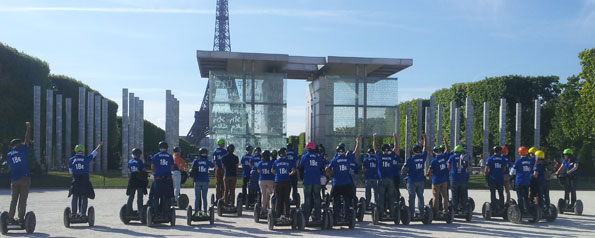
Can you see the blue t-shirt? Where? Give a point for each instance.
(282, 167)
(385, 165)
(458, 169)
(135, 165)
(79, 163)
(293, 156)
(540, 171)
(254, 161)
(340, 166)
(370, 164)
(415, 167)
(218, 156)
(265, 167)
(312, 168)
(397, 165)
(497, 166)
(569, 164)
(439, 168)
(202, 166)
(524, 170)
(17, 160)
(508, 163)
(162, 162)
(246, 165)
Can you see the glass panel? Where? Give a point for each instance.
(344, 120)
(342, 90)
(382, 92)
(380, 120)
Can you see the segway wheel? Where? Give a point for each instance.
(514, 214)
(428, 215)
(536, 212)
(30, 222)
(331, 219)
(67, 214)
(189, 215)
(471, 205)
(352, 218)
(361, 209)
(553, 213)
(405, 215)
(486, 211)
(4, 223)
(293, 216)
(149, 216)
(172, 218)
(239, 206)
(142, 214)
(578, 207)
(301, 221)
(91, 216)
(561, 206)
(211, 215)
(375, 216)
(124, 215)
(271, 220)
(450, 216)
(183, 201)
(431, 202)
(257, 213)
(220, 207)
(212, 198)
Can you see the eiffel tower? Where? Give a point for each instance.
(200, 128)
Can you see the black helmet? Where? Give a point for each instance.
(266, 155)
(231, 148)
(289, 146)
(340, 148)
(257, 150)
(321, 149)
(417, 149)
(137, 152)
(385, 147)
(392, 146)
(438, 149)
(203, 152)
(342, 144)
(249, 148)
(177, 149)
(371, 151)
(497, 149)
(15, 142)
(282, 152)
(163, 145)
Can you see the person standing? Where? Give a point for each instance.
(292, 155)
(162, 188)
(245, 161)
(230, 166)
(415, 167)
(200, 172)
(20, 179)
(266, 179)
(439, 172)
(282, 169)
(495, 168)
(137, 181)
(81, 188)
(311, 168)
(369, 168)
(179, 166)
(459, 167)
(570, 167)
(523, 169)
(217, 156)
(386, 173)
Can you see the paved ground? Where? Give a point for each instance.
(49, 206)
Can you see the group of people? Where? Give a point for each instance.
(271, 174)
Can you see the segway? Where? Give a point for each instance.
(564, 205)
(28, 224)
(449, 216)
(401, 213)
(126, 217)
(345, 217)
(296, 220)
(223, 208)
(361, 209)
(207, 216)
(70, 218)
(323, 223)
(489, 210)
(164, 217)
(549, 213)
(466, 214)
(428, 215)
(515, 215)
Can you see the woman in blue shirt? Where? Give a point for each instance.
(266, 179)
(200, 167)
(81, 188)
(282, 169)
(570, 167)
(137, 181)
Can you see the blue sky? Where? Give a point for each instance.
(150, 46)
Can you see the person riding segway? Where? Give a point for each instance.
(496, 166)
(439, 173)
(293, 156)
(229, 163)
(459, 165)
(137, 184)
(568, 177)
(282, 215)
(245, 162)
(266, 182)
(161, 192)
(524, 210)
(415, 183)
(549, 212)
(310, 169)
(200, 174)
(254, 195)
(180, 200)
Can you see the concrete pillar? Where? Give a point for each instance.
(439, 122)
(177, 123)
(49, 128)
(131, 123)
(168, 120)
(398, 124)
(537, 127)
(419, 120)
(37, 122)
(453, 119)
(97, 160)
(486, 129)
(125, 150)
(457, 126)
(141, 138)
(469, 126)
(517, 132)
(408, 132)
(502, 122)
(59, 159)
(427, 110)
(90, 125)
(68, 132)
(104, 133)
(431, 113)
(81, 116)
(137, 122)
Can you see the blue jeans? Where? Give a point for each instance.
(371, 184)
(139, 200)
(200, 193)
(522, 193)
(459, 195)
(79, 200)
(386, 191)
(416, 188)
(312, 195)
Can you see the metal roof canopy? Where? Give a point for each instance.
(297, 67)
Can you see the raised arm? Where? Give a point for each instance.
(28, 134)
(374, 142)
(357, 145)
(446, 149)
(425, 142)
(396, 149)
(99, 146)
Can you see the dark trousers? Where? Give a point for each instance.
(496, 187)
(543, 193)
(79, 201)
(139, 200)
(570, 191)
(282, 190)
(397, 182)
(459, 195)
(245, 182)
(522, 193)
(294, 187)
(19, 193)
(162, 205)
(336, 193)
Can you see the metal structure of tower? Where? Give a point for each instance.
(200, 128)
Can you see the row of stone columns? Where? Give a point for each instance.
(133, 130)
(58, 126)
(172, 121)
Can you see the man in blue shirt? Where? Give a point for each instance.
(439, 172)
(254, 187)
(415, 167)
(162, 188)
(386, 173)
(245, 161)
(20, 180)
(495, 168)
(506, 176)
(283, 169)
(523, 170)
(81, 188)
(266, 180)
(370, 170)
(340, 168)
(217, 156)
(137, 181)
(293, 156)
(459, 167)
(543, 191)
(570, 167)
(230, 166)
(201, 166)
(311, 168)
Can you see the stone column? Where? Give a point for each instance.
(141, 138)
(457, 126)
(49, 129)
(176, 136)
(81, 116)
(90, 126)
(137, 122)
(517, 132)
(431, 128)
(37, 122)
(537, 128)
(398, 124)
(427, 130)
(469, 127)
(439, 122)
(502, 123)
(131, 123)
(419, 120)
(125, 150)
(453, 119)
(97, 161)
(408, 132)
(486, 130)
(68, 132)
(168, 120)
(59, 159)
(104, 134)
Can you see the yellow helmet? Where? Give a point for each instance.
(532, 150)
(540, 154)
